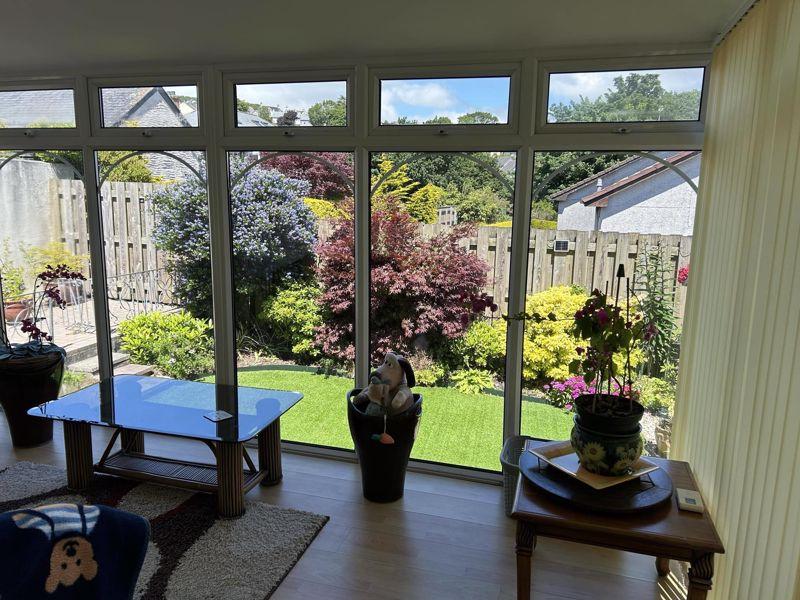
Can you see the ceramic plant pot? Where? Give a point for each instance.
(25, 383)
(606, 453)
(383, 465)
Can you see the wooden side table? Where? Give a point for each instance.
(664, 532)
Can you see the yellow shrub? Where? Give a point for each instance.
(324, 209)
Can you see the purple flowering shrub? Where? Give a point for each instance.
(562, 394)
(274, 234)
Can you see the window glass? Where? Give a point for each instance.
(294, 104)
(591, 213)
(439, 269)
(625, 96)
(149, 106)
(37, 109)
(43, 225)
(294, 277)
(158, 262)
(445, 101)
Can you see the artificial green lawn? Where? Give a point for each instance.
(456, 428)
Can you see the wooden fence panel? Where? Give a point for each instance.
(591, 260)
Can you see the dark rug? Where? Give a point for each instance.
(192, 554)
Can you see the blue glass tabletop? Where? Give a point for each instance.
(172, 407)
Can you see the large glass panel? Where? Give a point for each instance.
(158, 262)
(292, 104)
(30, 109)
(625, 96)
(591, 213)
(42, 225)
(294, 272)
(440, 248)
(149, 106)
(445, 101)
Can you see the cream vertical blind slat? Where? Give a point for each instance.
(737, 419)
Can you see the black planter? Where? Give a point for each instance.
(25, 383)
(612, 424)
(383, 466)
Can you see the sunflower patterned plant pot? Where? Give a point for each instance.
(604, 453)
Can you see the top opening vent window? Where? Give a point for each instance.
(153, 106)
(445, 101)
(632, 96)
(292, 104)
(37, 109)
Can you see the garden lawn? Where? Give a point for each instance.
(456, 428)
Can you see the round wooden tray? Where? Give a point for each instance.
(645, 493)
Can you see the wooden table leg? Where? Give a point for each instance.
(230, 479)
(526, 541)
(269, 453)
(662, 566)
(701, 572)
(132, 441)
(78, 448)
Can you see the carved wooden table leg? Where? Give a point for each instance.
(701, 572)
(662, 566)
(78, 448)
(526, 541)
(230, 479)
(132, 441)
(269, 453)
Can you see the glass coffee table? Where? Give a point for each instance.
(132, 405)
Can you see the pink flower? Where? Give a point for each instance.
(683, 275)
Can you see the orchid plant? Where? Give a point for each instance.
(40, 341)
(609, 329)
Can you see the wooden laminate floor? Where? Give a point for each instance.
(445, 539)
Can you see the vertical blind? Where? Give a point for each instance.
(738, 417)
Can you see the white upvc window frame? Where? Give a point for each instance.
(197, 79)
(43, 133)
(216, 135)
(232, 79)
(512, 70)
(551, 67)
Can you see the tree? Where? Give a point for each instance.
(274, 233)
(287, 119)
(424, 203)
(254, 108)
(418, 288)
(394, 183)
(437, 120)
(481, 205)
(452, 168)
(479, 117)
(547, 163)
(330, 113)
(635, 97)
(325, 181)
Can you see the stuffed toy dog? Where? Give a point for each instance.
(389, 390)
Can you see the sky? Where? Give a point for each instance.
(423, 99)
(569, 86)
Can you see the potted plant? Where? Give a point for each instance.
(607, 433)
(30, 373)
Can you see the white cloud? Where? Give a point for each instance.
(414, 93)
(592, 85)
(297, 96)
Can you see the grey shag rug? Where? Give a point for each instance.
(192, 555)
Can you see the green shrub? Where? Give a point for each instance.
(472, 381)
(430, 376)
(176, 344)
(655, 394)
(483, 346)
(549, 346)
(292, 315)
